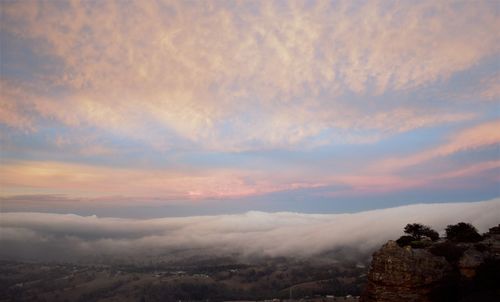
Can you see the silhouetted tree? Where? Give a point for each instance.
(462, 232)
(417, 231)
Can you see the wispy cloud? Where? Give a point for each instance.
(184, 184)
(192, 182)
(491, 88)
(479, 136)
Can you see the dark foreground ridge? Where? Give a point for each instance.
(210, 280)
(423, 270)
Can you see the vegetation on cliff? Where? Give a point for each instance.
(422, 267)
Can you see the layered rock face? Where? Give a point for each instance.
(421, 275)
(404, 274)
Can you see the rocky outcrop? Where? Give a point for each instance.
(404, 274)
(424, 274)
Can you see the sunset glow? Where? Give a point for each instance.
(216, 107)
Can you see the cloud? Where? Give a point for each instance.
(195, 71)
(278, 45)
(181, 183)
(68, 236)
(388, 175)
(491, 88)
(479, 136)
(12, 111)
(471, 170)
(191, 182)
(155, 98)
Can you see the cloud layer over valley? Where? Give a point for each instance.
(42, 236)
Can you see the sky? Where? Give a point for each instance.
(145, 109)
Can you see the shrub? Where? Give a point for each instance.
(417, 231)
(462, 232)
(405, 240)
(420, 244)
(495, 230)
(449, 250)
(433, 235)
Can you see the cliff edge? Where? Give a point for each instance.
(436, 271)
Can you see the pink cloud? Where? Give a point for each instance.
(93, 181)
(482, 135)
(186, 76)
(12, 111)
(470, 170)
(490, 89)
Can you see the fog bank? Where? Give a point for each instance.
(42, 236)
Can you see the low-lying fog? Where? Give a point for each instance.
(41, 236)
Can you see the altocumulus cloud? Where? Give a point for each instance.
(42, 236)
